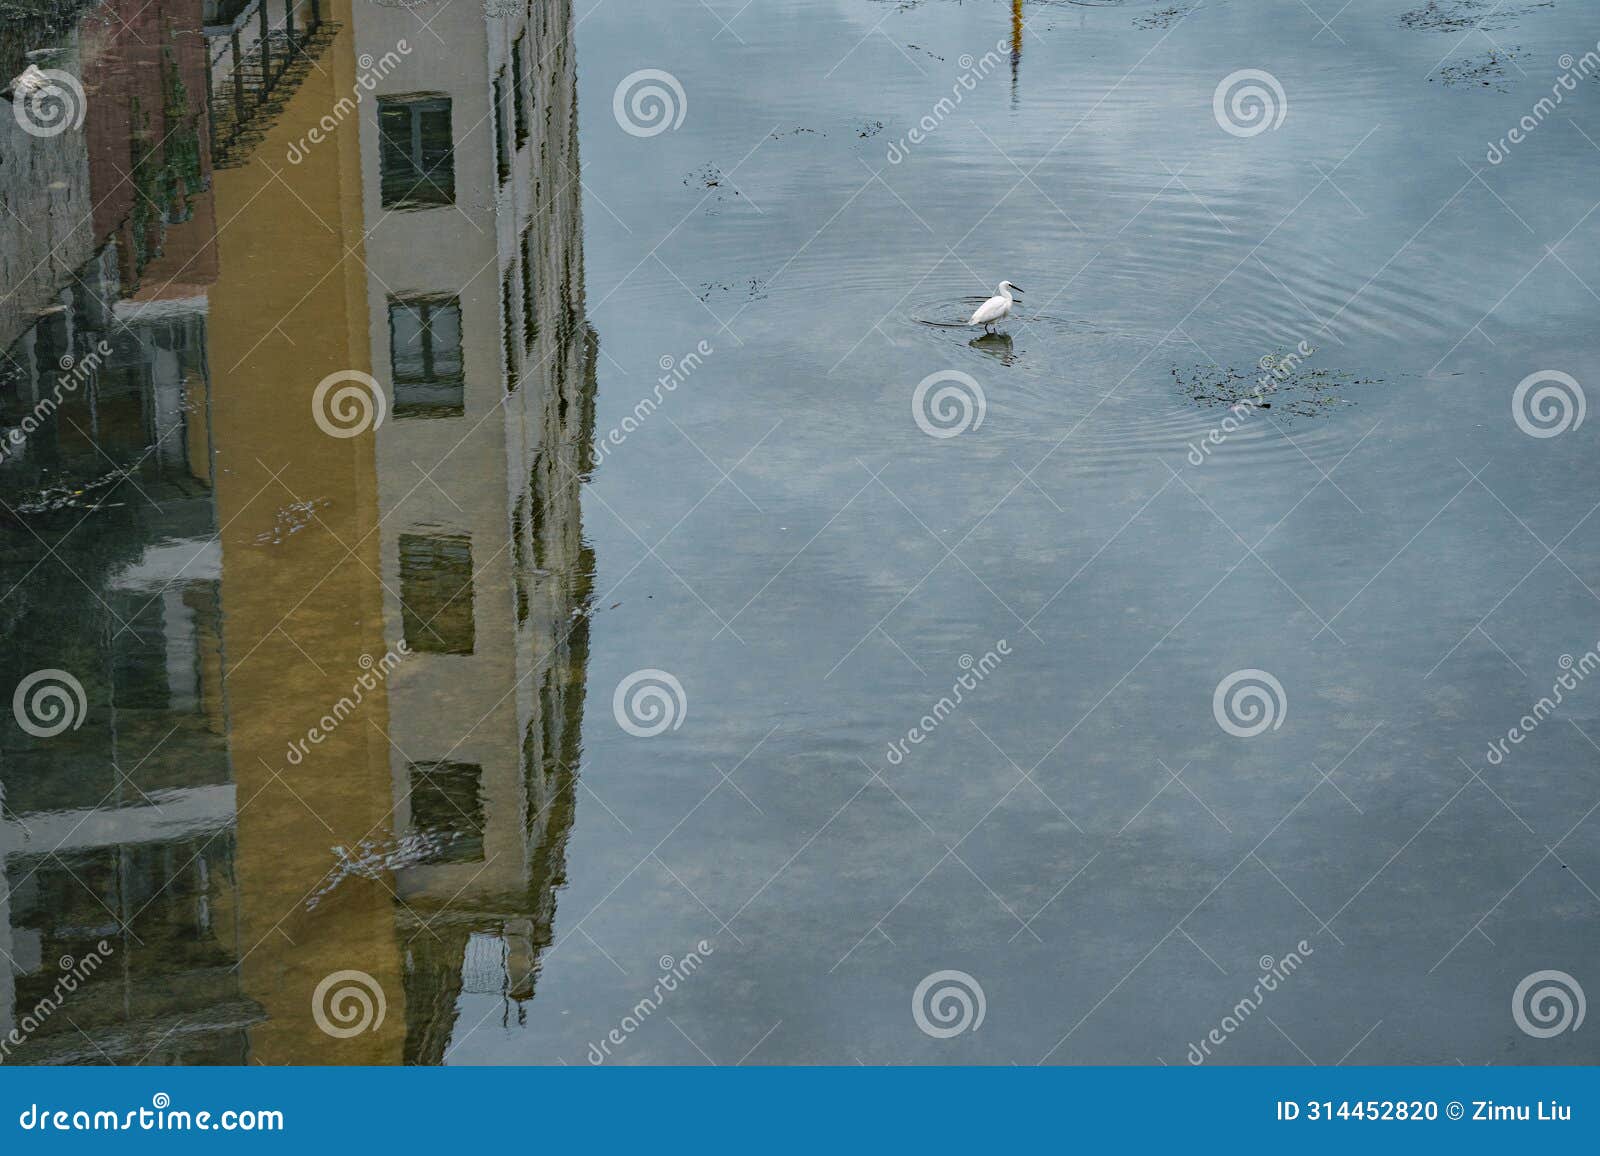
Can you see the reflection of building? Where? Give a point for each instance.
(474, 300)
(127, 828)
(180, 536)
(150, 170)
(120, 829)
(137, 175)
(298, 511)
(44, 188)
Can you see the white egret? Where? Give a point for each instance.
(995, 308)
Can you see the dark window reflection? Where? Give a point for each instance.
(436, 592)
(502, 154)
(425, 356)
(416, 152)
(447, 809)
(519, 82)
(530, 316)
(519, 553)
(508, 319)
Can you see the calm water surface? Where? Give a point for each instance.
(658, 674)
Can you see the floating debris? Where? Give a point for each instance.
(797, 131)
(754, 289)
(708, 175)
(80, 496)
(717, 186)
(1486, 71)
(291, 519)
(372, 859)
(1466, 15)
(1280, 382)
(869, 128)
(1164, 18)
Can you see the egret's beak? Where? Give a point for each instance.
(1017, 289)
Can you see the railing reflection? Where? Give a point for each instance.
(249, 58)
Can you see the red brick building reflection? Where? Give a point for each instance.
(144, 69)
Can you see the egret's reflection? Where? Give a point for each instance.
(996, 345)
